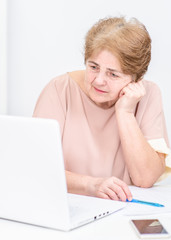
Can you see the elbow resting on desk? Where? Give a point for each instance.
(148, 177)
(143, 183)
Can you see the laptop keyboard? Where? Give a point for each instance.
(86, 206)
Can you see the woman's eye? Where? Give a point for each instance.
(113, 75)
(94, 68)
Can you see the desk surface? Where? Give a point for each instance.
(111, 227)
(108, 228)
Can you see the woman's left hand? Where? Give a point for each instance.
(129, 96)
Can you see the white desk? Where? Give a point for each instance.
(113, 227)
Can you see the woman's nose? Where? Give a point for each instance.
(101, 78)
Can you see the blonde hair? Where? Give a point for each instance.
(129, 41)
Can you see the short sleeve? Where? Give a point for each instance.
(150, 115)
(159, 145)
(151, 119)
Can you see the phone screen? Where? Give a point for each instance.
(149, 227)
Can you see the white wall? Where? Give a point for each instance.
(3, 57)
(46, 38)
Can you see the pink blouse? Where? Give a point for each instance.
(90, 138)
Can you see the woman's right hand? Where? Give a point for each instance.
(109, 188)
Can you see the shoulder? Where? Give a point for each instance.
(78, 78)
(54, 91)
(152, 90)
(58, 85)
(151, 87)
(63, 87)
(153, 97)
(62, 82)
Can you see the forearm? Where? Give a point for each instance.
(78, 184)
(144, 164)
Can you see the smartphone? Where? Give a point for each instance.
(149, 228)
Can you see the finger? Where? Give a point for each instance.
(132, 86)
(103, 195)
(112, 194)
(143, 90)
(127, 192)
(140, 83)
(119, 192)
(136, 86)
(125, 91)
(141, 87)
(128, 92)
(109, 193)
(124, 187)
(134, 91)
(121, 93)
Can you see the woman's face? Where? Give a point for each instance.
(104, 79)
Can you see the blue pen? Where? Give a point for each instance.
(144, 202)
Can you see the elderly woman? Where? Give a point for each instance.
(112, 123)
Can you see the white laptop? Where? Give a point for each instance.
(32, 178)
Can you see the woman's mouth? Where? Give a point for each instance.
(99, 90)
